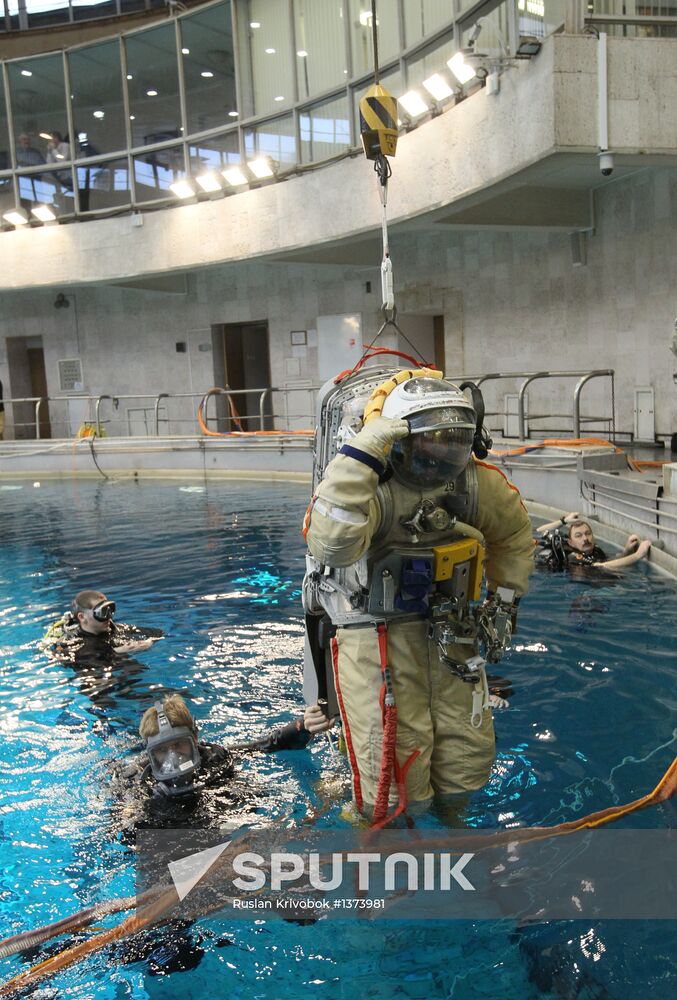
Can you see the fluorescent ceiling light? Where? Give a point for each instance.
(437, 87)
(235, 176)
(99, 114)
(232, 114)
(261, 167)
(44, 213)
(26, 72)
(279, 98)
(129, 76)
(254, 24)
(413, 104)
(270, 52)
(59, 156)
(185, 52)
(151, 93)
(460, 68)
(45, 135)
(132, 118)
(182, 189)
(207, 74)
(209, 182)
(17, 217)
(302, 54)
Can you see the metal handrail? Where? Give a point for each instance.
(529, 377)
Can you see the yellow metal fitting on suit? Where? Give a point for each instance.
(378, 122)
(466, 551)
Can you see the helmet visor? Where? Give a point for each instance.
(174, 761)
(430, 457)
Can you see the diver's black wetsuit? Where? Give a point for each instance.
(555, 553)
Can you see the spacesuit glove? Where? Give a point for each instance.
(315, 721)
(379, 435)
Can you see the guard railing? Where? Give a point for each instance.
(151, 414)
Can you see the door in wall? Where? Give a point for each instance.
(246, 366)
(27, 379)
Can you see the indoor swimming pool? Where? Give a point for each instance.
(218, 568)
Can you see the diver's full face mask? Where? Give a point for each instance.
(174, 757)
(437, 449)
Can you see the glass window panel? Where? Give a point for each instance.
(361, 40)
(39, 106)
(325, 130)
(154, 85)
(104, 185)
(96, 92)
(392, 83)
(155, 171)
(270, 53)
(5, 163)
(275, 139)
(320, 36)
(6, 197)
(86, 9)
(539, 18)
(214, 153)
(432, 60)
(208, 67)
(43, 13)
(49, 187)
(423, 17)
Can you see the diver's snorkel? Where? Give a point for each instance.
(174, 756)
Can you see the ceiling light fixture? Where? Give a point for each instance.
(151, 93)
(278, 98)
(16, 217)
(459, 67)
(43, 213)
(254, 24)
(209, 182)
(413, 104)
(261, 167)
(207, 74)
(45, 135)
(185, 52)
(99, 114)
(270, 52)
(235, 176)
(232, 114)
(182, 189)
(26, 72)
(302, 54)
(129, 76)
(437, 87)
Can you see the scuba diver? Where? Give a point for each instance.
(87, 633)
(182, 780)
(569, 543)
(396, 530)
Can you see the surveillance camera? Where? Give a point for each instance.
(474, 34)
(606, 164)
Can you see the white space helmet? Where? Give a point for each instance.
(442, 426)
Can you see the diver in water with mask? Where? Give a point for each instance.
(87, 632)
(183, 779)
(402, 523)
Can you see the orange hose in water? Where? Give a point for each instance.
(557, 443)
(663, 791)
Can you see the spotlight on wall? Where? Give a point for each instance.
(182, 189)
(16, 217)
(235, 177)
(209, 182)
(262, 167)
(61, 302)
(460, 68)
(413, 104)
(438, 88)
(528, 47)
(43, 213)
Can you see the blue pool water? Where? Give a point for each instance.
(591, 723)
